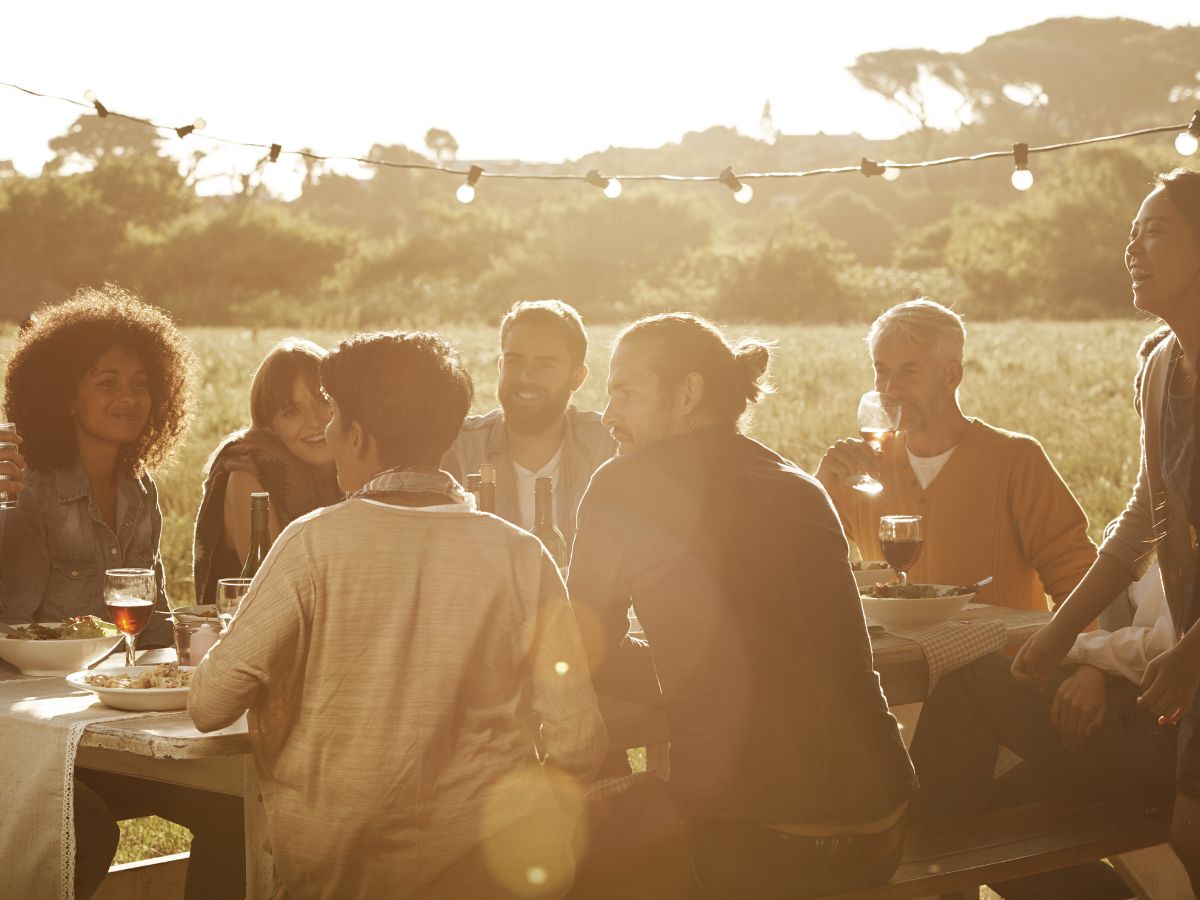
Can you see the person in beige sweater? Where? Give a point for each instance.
(397, 653)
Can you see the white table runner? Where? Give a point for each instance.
(41, 722)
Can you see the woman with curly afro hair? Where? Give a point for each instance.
(100, 388)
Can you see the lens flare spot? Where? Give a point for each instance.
(536, 875)
(562, 667)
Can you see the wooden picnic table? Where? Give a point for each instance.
(901, 665)
(169, 749)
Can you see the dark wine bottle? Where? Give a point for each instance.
(543, 522)
(260, 533)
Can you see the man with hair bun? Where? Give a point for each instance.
(536, 431)
(992, 502)
(788, 776)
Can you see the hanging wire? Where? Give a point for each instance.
(864, 167)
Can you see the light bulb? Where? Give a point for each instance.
(89, 95)
(199, 124)
(612, 190)
(890, 172)
(1186, 143)
(744, 194)
(465, 193)
(1022, 179)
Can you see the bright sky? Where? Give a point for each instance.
(527, 79)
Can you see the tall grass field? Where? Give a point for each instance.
(1067, 384)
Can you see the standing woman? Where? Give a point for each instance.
(1163, 259)
(283, 452)
(100, 388)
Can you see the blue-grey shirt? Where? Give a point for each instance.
(57, 547)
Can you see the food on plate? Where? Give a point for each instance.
(168, 675)
(896, 591)
(868, 565)
(75, 628)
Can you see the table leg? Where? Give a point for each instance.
(260, 866)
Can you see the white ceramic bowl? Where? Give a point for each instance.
(55, 657)
(140, 699)
(867, 572)
(901, 612)
(196, 615)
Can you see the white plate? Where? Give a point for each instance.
(901, 612)
(133, 698)
(55, 657)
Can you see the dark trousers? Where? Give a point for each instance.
(978, 709)
(217, 866)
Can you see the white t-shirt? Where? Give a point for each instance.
(526, 482)
(926, 468)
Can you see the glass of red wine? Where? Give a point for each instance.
(878, 420)
(901, 539)
(129, 595)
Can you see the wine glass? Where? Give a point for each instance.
(878, 420)
(230, 592)
(901, 539)
(129, 595)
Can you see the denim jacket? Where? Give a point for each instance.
(57, 546)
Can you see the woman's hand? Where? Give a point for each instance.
(12, 463)
(1079, 706)
(1041, 654)
(1170, 683)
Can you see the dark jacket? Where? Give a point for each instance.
(736, 567)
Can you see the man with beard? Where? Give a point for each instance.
(536, 431)
(786, 766)
(992, 503)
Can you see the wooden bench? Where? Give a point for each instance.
(1017, 842)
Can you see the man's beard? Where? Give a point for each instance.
(525, 417)
(925, 413)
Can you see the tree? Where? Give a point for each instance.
(794, 276)
(91, 138)
(902, 77)
(442, 145)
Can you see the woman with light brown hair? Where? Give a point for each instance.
(283, 452)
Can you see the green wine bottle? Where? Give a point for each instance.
(260, 533)
(543, 522)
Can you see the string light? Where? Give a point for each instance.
(184, 130)
(742, 193)
(466, 190)
(1022, 178)
(90, 97)
(611, 187)
(869, 167)
(1187, 142)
